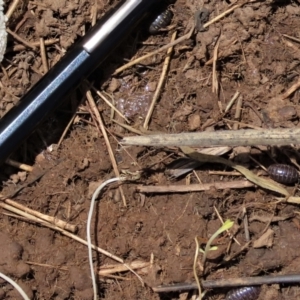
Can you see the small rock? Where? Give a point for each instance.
(194, 122)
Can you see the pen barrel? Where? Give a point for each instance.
(51, 90)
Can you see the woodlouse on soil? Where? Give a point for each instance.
(162, 20)
(244, 293)
(283, 173)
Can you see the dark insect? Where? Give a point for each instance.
(283, 173)
(244, 293)
(162, 20)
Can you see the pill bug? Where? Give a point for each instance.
(162, 20)
(283, 173)
(244, 293)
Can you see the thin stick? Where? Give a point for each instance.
(163, 48)
(88, 231)
(230, 282)
(239, 184)
(36, 44)
(110, 151)
(19, 165)
(292, 38)
(11, 9)
(226, 173)
(15, 285)
(230, 103)
(111, 269)
(129, 128)
(272, 137)
(46, 265)
(18, 38)
(44, 56)
(110, 104)
(228, 11)
(66, 129)
(160, 83)
(55, 221)
(215, 83)
(72, 119)
(291, 90)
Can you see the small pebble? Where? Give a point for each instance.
(194, 122)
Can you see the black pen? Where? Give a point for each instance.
(82, 59)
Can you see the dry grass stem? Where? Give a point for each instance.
(291, 90)
(55, 221)
(110, 104)
(12, 9)
(46, 266)
(231, 102)
(160, 84)
(291, 38)
(17, 48)
(66, 129)
(111, 269)
(129, 128)
(18, 38)
(44, 56)
(109, 148)
(224, 173)
(19, 165)
(164, 48)
(215, 83)
(222, 15)
(156, 189)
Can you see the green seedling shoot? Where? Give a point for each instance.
(226, 226)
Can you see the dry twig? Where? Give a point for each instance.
(18, 38)
(44, 56)
(238, 184)
(19, 165)
(12, 8)
(269, 137)
(110, 151)
(160, 83)
(53, 220)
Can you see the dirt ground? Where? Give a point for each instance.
(258, 56)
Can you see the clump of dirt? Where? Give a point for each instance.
(257, 55)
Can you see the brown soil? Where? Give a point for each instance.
(254, 58)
